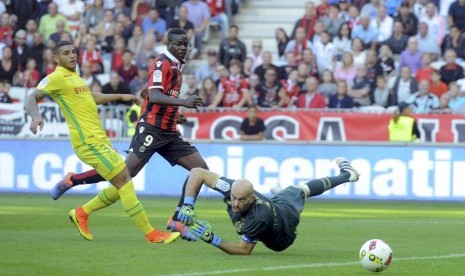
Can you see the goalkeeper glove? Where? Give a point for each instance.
(203, 230)
(187, 214)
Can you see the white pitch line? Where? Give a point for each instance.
(284, 267)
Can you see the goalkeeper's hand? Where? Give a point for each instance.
(187, 214)
(203, 230)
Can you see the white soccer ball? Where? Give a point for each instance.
(375, 255)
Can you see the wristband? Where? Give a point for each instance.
(189, 200)
(216, 240)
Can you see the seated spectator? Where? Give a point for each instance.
(60, 26)
(192, 89)
(127, 25)
(4, 90)
(92, 56)
(48, 22)
(332, 22)
(407, 19)
(267, 64)
(105, 27)
(435, 23)
(457, 101)
(256, 54)
(231, 47)
(302, 76)
(346, 70)
(31, 29)
(398, 40)
(358, 52)
(81, 37)
(292, 88)
(344, 9)
(140, 9)
(427, 43)
(325, 53)
(361, 88)
(127, 70)
(281, 39)
(28, 78)
(373, 68)
(411, 57)
(154, 24)
(342, 41)
(73, 11)
(424, 73)
(322, 9)
(95, 87)
(444, 101)
(186, 25)
(381, 93)
(271, 93)
(49, 64)
(371, 9)
(437, 87)
(140, 80)
(423, 101)
(37, 49)
(404, 86)
(340, 99)
(354, 17)
(252, 127)
(451, 71)
(317, 30)
(86, 73)
(8, 66)
(310, 98)
(20, 50)
(117, 54)
(247, 67)
(254, 81)
(222, 73)
(419, 8)
(167, 8)
(120, 7)
(310, 60)
(208, 69)
(384, 23)
(199, 15)
(366, 32)
(307, 21)
(116, 86)
(218, 15)
(327, 86)
(136, 41)
(290, 64)
(147, 51)
(94, 14)
(456, 12)
(232, 90)
(454, 40)
(386, 61)
(298, 44)
(208, 91)
(402, 127)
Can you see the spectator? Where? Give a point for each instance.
(73, 11)
(282, 39)
(247, 67)
(147, 51)
(332, 22)
(444, 101)
(232, 90)
(199, 15)
(361, 88)
(346, 70)
(256, 54)
(342, 41)
(322, 9)
(222, 73)
(298, 44)
(208, 91)
(358, 52)
(354, 18)
(4, 90)
(419, 8)
(94, 14)
(451, 71)
(411, 57)
(6, 30)
(454, 40)
(423, 101)
(117, 54)
(267, 64)
(127, 70)
(48, 65)
(120, 7)
(208, 69)
(127, 25)
(116, 86)
(154, 24)
(92, 56)
(402, 127)
(86, 73)
(140, 80)
(325, 53)
(105, 27)
(290, 64)
(82, 36)
(398, 40)
(386, 61)
(136, 41)
(254, 81)
(8, 65)
(311, 61)
(167, 8)
(404, 86)
(96, 87)
(425, 72)
(317, 30)
(31, 29)
(20, 51)
(192, 89)
(344, 10)
(371, 9)
(218, 15)
(381, 93)
(48, 22)
(302, 76)
(435, 22)
(29, 77)
(408, 20)
(311, 98)
(60, 26)
(457, 102)
(140, 8)
(184, 24)
(23, 10)
(426, 43)
(307, 22)
(292, 88)
(366, 32)
(456, 12)
(271, 93)
(437, 87)
(384, 24)
(392, 6)
(327, 86)
(373, 68)
(341, 99)
(37, 49)
(252, 127)
(231, 47)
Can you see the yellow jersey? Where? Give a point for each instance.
(75, 100)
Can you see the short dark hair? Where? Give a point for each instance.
(61, 44)
(234, 26)
(127, 51)
(174, 32)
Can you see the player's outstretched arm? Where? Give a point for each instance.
(31, 108)
(101, 98)
(156, 96)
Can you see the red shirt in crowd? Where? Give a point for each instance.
(216, 6)
(424, 74)
(318, 101)
(233, 89)
(127, 75)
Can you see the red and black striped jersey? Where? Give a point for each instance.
(164, 74)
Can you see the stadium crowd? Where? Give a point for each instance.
(340, 54)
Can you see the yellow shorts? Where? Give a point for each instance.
(101, 156)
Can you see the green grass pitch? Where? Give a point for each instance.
(36, 238)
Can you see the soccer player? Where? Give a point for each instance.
(89, 140)
(156, 130)
(273, 221)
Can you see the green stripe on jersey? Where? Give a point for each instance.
(73, 118)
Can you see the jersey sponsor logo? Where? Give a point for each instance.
(159, 63)
(42, 83)
(222, 185)
(157, 76)
(81, 89)
(65, 76)
(174, 93)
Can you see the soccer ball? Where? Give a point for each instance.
(375, 255)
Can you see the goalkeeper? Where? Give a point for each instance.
(272, 221)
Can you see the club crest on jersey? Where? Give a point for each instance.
(157, 76)
(159, 63)
(42, 83)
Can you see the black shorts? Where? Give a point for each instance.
(170, 145)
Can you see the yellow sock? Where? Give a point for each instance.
(134, 208)
(105, 198)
